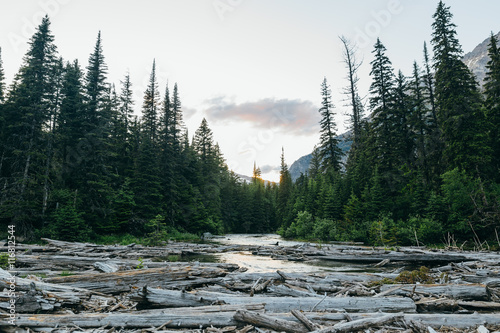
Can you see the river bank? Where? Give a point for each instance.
(257, 283)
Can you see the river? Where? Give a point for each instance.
(256, 263)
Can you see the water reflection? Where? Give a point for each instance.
(256, 263)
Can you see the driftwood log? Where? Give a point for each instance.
(456, 291)
(112, 288)
(119, 282)
(151, 297)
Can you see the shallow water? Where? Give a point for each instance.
(266, 264)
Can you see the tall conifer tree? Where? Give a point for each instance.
(492, 102)
(329, 151)
(457, 98)
(150, 106)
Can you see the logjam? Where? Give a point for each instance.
(98, 288)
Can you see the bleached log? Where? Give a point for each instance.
(428, 319)
(476, 292)
(153, 297)
(118, 282)
(23, 284)
(65, 244)
(281, 304)
(217, 316)
(304, 320)
(283, 290)
(108, 267)
(361, 324)
(393, 257)
(452, 305)
(261, 320)
(317, 286)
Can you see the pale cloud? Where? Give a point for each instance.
(297, 117)
(188, 112)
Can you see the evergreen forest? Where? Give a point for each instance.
(78, 164)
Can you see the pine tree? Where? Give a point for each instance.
(457, 99)
(98, 177)
(27, 112)
(70, 124)
(315, 164)
(146, 183)
(400, 122)
(169, 160)
(256, 175)
(203, 142)
(429, 85)
(126, 103)
(176, 123)
(209, 157)
(381, 90)
(150, 106)
(284, 193)
(492, 102)
(419, 121)
(95, 88)
(329, 151)
(122, 144)
(434, 137)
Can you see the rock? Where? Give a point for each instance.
(482, 329)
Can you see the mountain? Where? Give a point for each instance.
(301, 165)
(477, 59)
(248, 179)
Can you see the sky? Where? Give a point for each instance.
(252, 68)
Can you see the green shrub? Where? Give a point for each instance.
(4, 260)
(416, 276)
(325, 229)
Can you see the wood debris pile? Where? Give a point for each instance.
(79, 287)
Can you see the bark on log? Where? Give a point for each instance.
(394, 257)
(361, 324)
(261, 320)
(476, 292)
(217, 316)
(158, 297)
(118, 282)
(304, 320)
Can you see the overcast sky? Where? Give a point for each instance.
(253, 68)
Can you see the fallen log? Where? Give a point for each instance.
(304, 320)
(217, 316)
(283, 290)
(428, 319)
(476, 292)
(261, 320)
(430, 258)
(152, 297)
(158, 297)
(361, 324)
(25, 285)
(124, 281)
